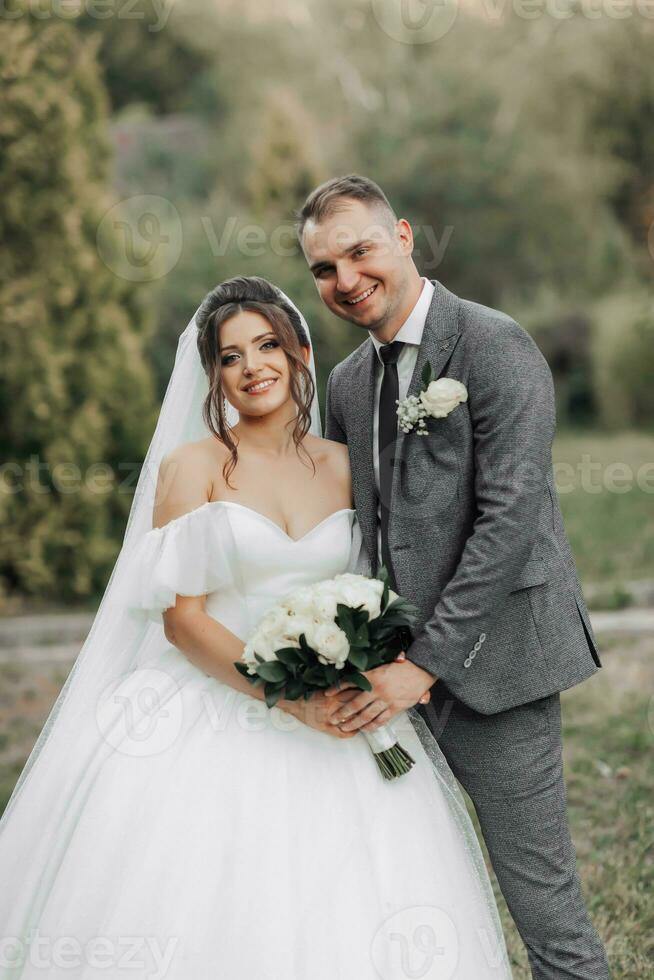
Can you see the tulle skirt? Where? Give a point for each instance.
(217, 838)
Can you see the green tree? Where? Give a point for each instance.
(76, 392)
(619, 124)
(285, 167)
(145, 54)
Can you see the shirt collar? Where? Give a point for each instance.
(413, 327)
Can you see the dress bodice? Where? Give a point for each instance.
(240, 559)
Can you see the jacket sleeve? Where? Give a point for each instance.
(334, 428)
(511, 403)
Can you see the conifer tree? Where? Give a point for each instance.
(76, 392)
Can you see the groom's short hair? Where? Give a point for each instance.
(331, 197)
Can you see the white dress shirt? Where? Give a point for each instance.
(410, 333)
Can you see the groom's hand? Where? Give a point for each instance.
(395, 687)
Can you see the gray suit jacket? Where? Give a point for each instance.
(476, 533)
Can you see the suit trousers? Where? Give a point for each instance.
(510, 764)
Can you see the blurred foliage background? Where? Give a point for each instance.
(521, 149)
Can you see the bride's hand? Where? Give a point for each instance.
(318, 710)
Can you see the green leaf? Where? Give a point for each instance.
(272, 671)
(360, 681)
(242, 669)
(394, 625)
(345, 621)
(272, 695)
(315, 675)
(304, 654)
(309, 652)
(427, 375)
(294, 689)
(358, 658)
(403, 606)
(388, 654)
(362, 636)
(360, 616)
(290, 656)
(384, 577)
(397, 617)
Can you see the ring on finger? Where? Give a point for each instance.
(376, 703)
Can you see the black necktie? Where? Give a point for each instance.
(390, 392)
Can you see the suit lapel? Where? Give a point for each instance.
(439, 339)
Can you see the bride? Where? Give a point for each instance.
(168, 824)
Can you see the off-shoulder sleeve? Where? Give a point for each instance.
(191, 555)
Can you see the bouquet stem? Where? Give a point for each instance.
(392, 760)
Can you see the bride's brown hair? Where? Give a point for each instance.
(259, 296)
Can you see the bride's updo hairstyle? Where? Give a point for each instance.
(258, 296)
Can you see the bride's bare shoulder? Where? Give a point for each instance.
(195, 457)
(336, 450)
(334, 454)
(184, 480)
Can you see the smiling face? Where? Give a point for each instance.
(254, 370)
(361, 262)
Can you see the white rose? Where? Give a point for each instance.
(352, 578)
(248, 656)
(262, 644)
(295, 626)
(329, 642)
(325, 603)
(274, 622)
(300, 602)
(442, 396)
(364, 592)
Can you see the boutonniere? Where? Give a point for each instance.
(436, 400)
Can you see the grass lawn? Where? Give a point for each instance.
(608, 516)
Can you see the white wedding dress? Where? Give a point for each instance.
(217, 839)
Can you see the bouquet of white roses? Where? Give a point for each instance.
(332, 631)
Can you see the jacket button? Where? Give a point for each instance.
(482, 637)
(478, 645)
(467, 662)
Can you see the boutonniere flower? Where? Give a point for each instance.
(436, 400)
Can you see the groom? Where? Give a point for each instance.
(467, 521)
